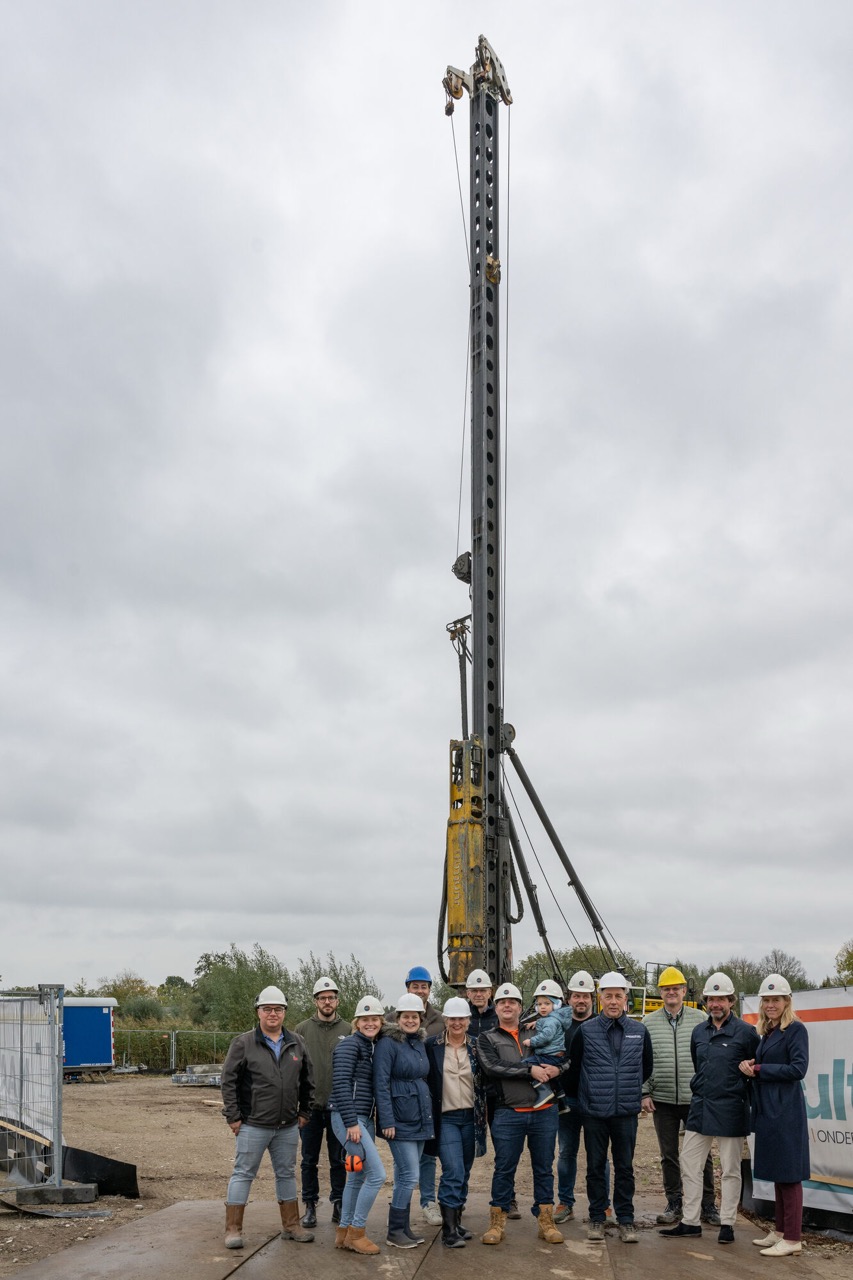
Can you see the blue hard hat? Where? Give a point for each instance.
(419, 974)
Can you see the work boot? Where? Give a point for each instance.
(681, 1230)
(341, 1237)
(564, 1213)
(396, 1230)
(449, 1237)
(309, 1217)
(595, 1231)
(627, 1233)
(234, 1225)
(513, 1212)
(547, 1231)
(358, 1242)
(290, 1225)
(670, 1215)
(497, 1225)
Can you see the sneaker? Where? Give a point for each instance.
(627, 1233)
(431, 1214)
(710, 1215)
(595, 1231)
(671, 1214)
(513, 1210)
(564, 1213)
(726, 1236)
(681, 1230)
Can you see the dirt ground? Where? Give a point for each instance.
(183, 1150)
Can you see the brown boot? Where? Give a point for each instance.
(547, 1230)
(234, 1225)
(497, 1226)
(341, 1237)
(291, 1227)
(358, 1242)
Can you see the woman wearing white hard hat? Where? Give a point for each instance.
(459, 1113)
(404, 1110)
(779, 1112)
(353, 1108)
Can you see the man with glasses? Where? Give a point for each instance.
(321, 1032)
(267, 1092)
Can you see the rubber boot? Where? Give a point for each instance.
(291, 1227)
(234, 1226)
(497, 1226)
(396, 1233)
(358, 1242)
(309, 1217)
(407, 1226)
(460, 1230)
(336, 1214)
(449, 1237)
(547, 1231)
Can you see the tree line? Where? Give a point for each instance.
(222, 991)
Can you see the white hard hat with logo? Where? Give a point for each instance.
(409, 1003)
(368, 1007)
(775, 985)
(506, 991)
(325, 984)
(271, 995)
(718, 984)
(582, 981)
(550, 989)
(478, 978)
(456, 1007)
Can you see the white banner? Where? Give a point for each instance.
(828, 1016)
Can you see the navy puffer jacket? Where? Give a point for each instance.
(352, 1078)
(616, 1057)
(400, 1070)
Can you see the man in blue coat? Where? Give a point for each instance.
(611, 1056)
(719, 1107)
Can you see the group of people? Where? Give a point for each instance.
(434, 1084)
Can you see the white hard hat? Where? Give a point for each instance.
(506, 991)
(775, 985)
(271, 995)
(368, 1007)
(614, 979)
(718, 984)
(324, 984)
(456, 1007)
(408, 1003)
(478, 978)
(550, 989)
(582, 981)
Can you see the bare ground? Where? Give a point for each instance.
(183, 1150)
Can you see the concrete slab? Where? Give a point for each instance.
(186, 1241)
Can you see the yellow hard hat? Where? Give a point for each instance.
(672, 977)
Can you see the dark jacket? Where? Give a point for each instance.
(432, 1025)
(321, 1038)
(571, 1031)
(507, 1067)
(720, 1103)
(779, 1106)
(352, 1078)
(435, 1046)
(262, 1091)
(400, 1070)
(611, 1057)
(480, 1022)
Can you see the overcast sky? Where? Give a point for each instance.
(233, 296)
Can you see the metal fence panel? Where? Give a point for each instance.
(170, 1050)
(31, 1086)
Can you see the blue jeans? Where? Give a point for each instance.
(456, 1153)
(569, 1141)
(407, 1159)
(252, 1142)
(510, 1129)
(426, 1179)
(362, 1188)
(311, 1136)
(621, 1134)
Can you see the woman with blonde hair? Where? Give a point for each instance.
(779, 1113)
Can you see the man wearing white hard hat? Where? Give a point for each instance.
(581, 987)
(719, 1108)
(322, 1032)
(478, 992)
(611, 1057)
(517, 1119)
(267, 1092)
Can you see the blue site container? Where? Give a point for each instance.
(87, 1033)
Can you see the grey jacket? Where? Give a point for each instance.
(259, 1090)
